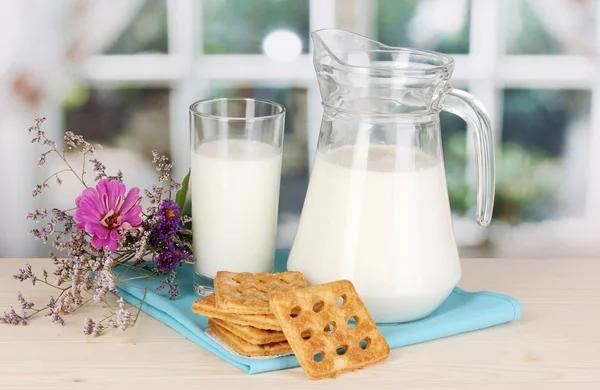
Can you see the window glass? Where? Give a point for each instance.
(549, 26)
(147, 33)
(440, 25)
(243, 27)
(542, 164)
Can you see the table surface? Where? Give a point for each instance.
(555, 345)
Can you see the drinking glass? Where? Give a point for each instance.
(236, 151)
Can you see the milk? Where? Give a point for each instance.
(235, 198)
(380, 217)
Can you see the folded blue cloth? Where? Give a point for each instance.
(461, 312)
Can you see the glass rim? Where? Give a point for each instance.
(194, 109)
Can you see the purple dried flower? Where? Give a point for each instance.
(24, 304)
(165, 261)
(174, 290)
(37, 130)
(50, 143)
(38, 189)
(67, 220)
(93, 149)
(141, 245)
(169, 259)
(100, 168)
(171, 277)
(37, 215)
(97, 329)
(54, 312)
(73, 140)
(162, 165)
(123, 316)
(118, 177)
(169, 281)
(13, 318)
(168, 217)
(166, 282)
(104, 281)
(88, 326)
(25, 274)
(45, 232)
(42, 159)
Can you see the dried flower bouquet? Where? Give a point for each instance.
(107, 228)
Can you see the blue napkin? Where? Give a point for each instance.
(461, 312)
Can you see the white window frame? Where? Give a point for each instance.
(485, 70)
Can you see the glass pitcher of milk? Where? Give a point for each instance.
(377, 210)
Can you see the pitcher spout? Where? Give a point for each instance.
(342, 48)
(352, 69)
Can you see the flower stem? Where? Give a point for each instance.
(141, 303)
(38, 311)
(52, 285)
(64, 158)
(55, 174)
(83, 169)
(136, 277)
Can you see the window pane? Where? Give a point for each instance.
(542, 165)
(129, 123)
(294, 171)
(441, 25)
(147, 33)
(549, 26)
(241, 26)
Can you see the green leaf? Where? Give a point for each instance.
(182, 193)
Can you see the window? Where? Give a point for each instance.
(539, 168)
(147, 32)
(440, 26)
(529, 61)
(240, 26)
(536, 27)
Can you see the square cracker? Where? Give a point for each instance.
(329, 329)
(245, 348)
(251, 334)
(247, 293)
(207, 307)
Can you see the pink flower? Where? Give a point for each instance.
(105, 212)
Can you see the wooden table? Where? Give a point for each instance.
(555, 345)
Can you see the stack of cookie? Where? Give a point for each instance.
(239, 312)
(327, 326)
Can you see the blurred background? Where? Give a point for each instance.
(123, 73)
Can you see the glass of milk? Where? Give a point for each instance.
(236, 151)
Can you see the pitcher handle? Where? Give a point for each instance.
(472, 111)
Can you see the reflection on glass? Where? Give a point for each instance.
(241, 26)
(542, 165)
(440, 25)
(294, 171)
(147, 32)
(549, 26)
